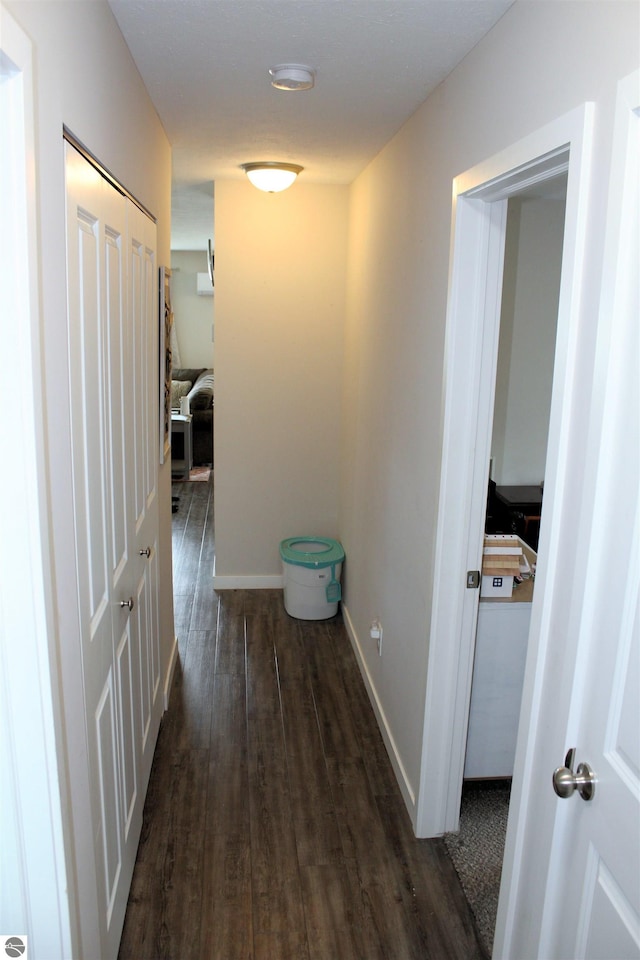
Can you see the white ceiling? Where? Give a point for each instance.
(205, 64)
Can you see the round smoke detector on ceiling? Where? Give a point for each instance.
(292, 76)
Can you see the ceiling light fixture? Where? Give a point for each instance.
(292, 76)
(270, 176)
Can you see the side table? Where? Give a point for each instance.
(181, 446)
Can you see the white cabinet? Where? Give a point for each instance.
(181, 446)
(496, 692)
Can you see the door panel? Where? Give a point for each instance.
(136, 288)
(89, 420)
(154, 622)
(107, 765)
(116, 383)
(605, 905)
(143, 274)
(127, 723)
(144, 695)
(151, 347)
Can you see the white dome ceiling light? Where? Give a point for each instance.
(292, 76)
(270, 176)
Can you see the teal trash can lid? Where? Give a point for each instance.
(311, 551)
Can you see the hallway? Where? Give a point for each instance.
(274, 828)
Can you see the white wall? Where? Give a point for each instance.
(533, 256)
(193, 314)
(540, 61)
(280, 295)
(85, 79)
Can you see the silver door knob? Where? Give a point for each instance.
(565, 781)
(127, 603)
(146, 552)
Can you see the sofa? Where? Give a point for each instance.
(197, 385)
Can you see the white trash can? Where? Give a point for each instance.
(311, 568)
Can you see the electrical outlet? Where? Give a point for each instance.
(375, 632)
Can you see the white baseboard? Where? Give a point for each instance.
(272, 582)
(404, 783)
(247, 583)
(168, 678)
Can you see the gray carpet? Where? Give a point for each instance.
(478, 849)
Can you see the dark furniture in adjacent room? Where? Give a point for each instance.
(515, 509)
(201, 400)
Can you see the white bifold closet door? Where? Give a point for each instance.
(113, 356)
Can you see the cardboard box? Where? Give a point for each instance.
(503, 559)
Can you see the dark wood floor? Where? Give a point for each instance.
(273, 827)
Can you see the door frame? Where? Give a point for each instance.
(38, 879)
(478, 233)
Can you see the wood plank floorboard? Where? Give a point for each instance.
(273, 827)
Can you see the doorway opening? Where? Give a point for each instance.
(516, 468)
(479, 222)
(192, 332)
(524, 377)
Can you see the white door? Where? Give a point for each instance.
(112, 353)
(585, 854)
(142, 472)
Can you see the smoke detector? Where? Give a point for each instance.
(292, 76)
